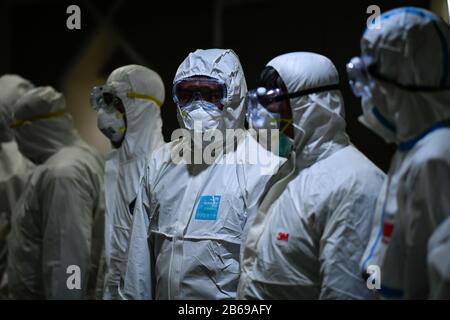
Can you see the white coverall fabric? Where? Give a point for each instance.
(438, 259)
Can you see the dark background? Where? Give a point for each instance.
(37, 45)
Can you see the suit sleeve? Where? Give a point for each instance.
(342, 244)
(137, 283)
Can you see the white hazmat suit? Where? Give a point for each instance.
(411, 95)
(14, 167)
(141, 91)
(57, 225)
(313, 222)
(197, 214)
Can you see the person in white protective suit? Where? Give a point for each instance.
(313, 221)
(438, 262)
(197, 212)
(403, 79)
(128, 107)
(14, 167)
(57, 225)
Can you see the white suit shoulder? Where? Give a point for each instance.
(84, 167)
(345, 171)
(432, 148)
(157, 161)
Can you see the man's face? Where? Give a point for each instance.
(283, 108)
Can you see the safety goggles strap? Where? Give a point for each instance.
(307, 91)
(378, 76)
(21, 122)
(136, 95)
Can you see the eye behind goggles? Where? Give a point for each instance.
(208, 89)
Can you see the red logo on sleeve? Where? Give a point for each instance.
(283, 236)
(388, 227)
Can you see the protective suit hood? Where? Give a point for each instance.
(318, 119)
(223, 65)
(12, 87)
(411, 49)
(41, 125)
(144, 123)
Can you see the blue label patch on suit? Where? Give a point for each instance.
(208, 207)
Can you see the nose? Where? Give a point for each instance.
(196, 96)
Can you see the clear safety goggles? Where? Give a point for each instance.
(361, 71)
(105, 97)
(258, 115)
(263, 105)
(359, 76)
(208, 89)
(266, 97)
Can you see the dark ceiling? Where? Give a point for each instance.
(38, 45)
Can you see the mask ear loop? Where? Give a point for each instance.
(287, 122)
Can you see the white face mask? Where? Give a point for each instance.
(376, 122)
(112, 125)
(200, 115)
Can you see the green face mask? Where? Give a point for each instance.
(285, 143)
